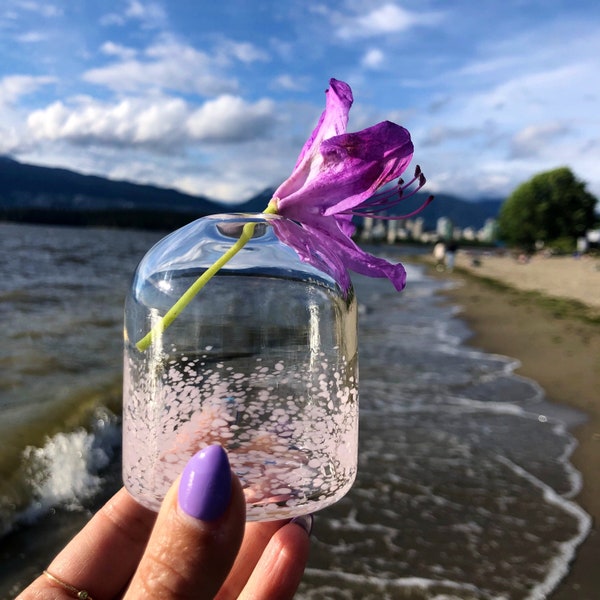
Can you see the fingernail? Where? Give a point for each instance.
(304, 521)
(205, 486)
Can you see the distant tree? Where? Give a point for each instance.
(551, 206)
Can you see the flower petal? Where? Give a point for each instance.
(333, 122)
(353, 167)
(355, 258)
(331, 250)
(337, 175)
(315, 248)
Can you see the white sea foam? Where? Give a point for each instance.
(414, 273)
(66, 471)
(384, 584)
(559, 564)
(504, 408)
(573, 474)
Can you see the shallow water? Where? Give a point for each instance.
(464, 483)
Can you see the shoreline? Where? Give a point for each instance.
(556, 339)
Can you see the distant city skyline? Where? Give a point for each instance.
(415, 230)
(218, 98)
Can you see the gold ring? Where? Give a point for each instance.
(81, 594)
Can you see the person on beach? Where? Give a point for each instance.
(198, 546)
(451, 250)
(439, 254)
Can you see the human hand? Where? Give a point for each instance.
(198, 546)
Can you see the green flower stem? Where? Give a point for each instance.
(192, 291)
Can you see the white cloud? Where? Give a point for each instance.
(112, 19)
(231, 119)
(166, 65)
(43, 9)
(442, 134)
(386, 19)
(31, 37)
(236, 172)
(123, 52)
(13, 87)
(534, 140)
(373, 58)
(524, 117)
(149, 11)
(243, 52)
(225, 187)
(290, 83)
(130, 122)
(489, 178)
(158, 124)
(150, 14)
(538, 91)
(11, 141)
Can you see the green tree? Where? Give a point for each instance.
(551, 206)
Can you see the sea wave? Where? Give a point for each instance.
(65, 472)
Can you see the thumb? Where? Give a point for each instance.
(197, 534)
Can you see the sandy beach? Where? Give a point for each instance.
(574, 278)
(546, 314)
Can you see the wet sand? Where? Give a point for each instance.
(539, 320)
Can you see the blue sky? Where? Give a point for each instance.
(217, 98)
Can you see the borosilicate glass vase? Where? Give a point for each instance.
(263, 360)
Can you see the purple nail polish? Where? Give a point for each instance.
(304, 521)
(205, 486)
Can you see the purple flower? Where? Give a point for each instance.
(336, 177)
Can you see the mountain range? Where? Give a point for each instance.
(36, 194)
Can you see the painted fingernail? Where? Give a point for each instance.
(304, 521)
(205, 486)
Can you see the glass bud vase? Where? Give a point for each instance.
(263, 361)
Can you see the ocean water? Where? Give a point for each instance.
(464, 485)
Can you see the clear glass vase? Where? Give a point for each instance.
(263, 360)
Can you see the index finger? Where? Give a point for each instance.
(103, 556)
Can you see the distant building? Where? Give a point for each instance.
(367, 229)
(417, 229)
(378, 233)
(372, 231)
(392, 232)
(489, 232)
(468, 233)
(444, 228)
